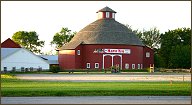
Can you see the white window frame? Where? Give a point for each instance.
(107, 14)
(138, 66)
(88, 65)
(13, 68)
(133, 66)
(113, 15)
(96, 65)
(147, 54)
(126, 66)
(78, 52)
(22, 68)
(4, 68)
(100, 15)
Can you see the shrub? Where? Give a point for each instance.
(54, 68)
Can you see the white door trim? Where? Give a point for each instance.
(112, 55)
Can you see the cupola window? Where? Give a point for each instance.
(113, 15)
(107, 14)
(100, 15)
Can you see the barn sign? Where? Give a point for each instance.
(119, 51)
(123, 51)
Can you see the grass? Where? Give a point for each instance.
(10, 86)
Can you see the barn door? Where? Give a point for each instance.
(112, 60)
(107, 62)
(117, 61)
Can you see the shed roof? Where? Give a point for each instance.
(5, 52)
(52, 59)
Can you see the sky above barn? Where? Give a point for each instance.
(48, 17)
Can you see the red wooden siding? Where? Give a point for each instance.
(107, 62)
(117, 60)
(104, 14)
(74, 61)
(67, 59)
(110, 14)
(148, 60)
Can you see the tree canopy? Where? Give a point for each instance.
(62, 37)
(150, 38)
(175, 48)
(29, 40)
(172, 48)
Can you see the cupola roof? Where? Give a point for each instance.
(106, 9)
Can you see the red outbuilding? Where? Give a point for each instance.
(105, 43)
(9, 44)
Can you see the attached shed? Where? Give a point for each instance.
(14, 57)
(20, 58)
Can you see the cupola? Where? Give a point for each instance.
(106, 13)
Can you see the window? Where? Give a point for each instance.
(133, 66)
(39, 69)
(88, 65)
(107, 14)
(5, 69)
(100, 15)
(141, 66)
(138, 66)
(126, 66)
(147, 54)
(113, 15)
(26, 69)
(13, 68)
(22, 69)
(78, 52)
(96, 65)
(31, 68)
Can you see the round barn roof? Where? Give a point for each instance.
(104, 31)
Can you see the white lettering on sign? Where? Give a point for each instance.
(124, 51)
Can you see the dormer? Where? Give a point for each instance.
(106, 13)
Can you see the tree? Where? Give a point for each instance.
(180, 57)
(29, 40)
(181, 38)
(150, 38)
(62, 37)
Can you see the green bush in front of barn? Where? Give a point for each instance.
(135, 70)
(54, 68)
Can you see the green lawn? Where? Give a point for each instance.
(10, 86)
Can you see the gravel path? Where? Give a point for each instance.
(98, 100)
(103, 78)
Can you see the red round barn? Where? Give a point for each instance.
(105, 43)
